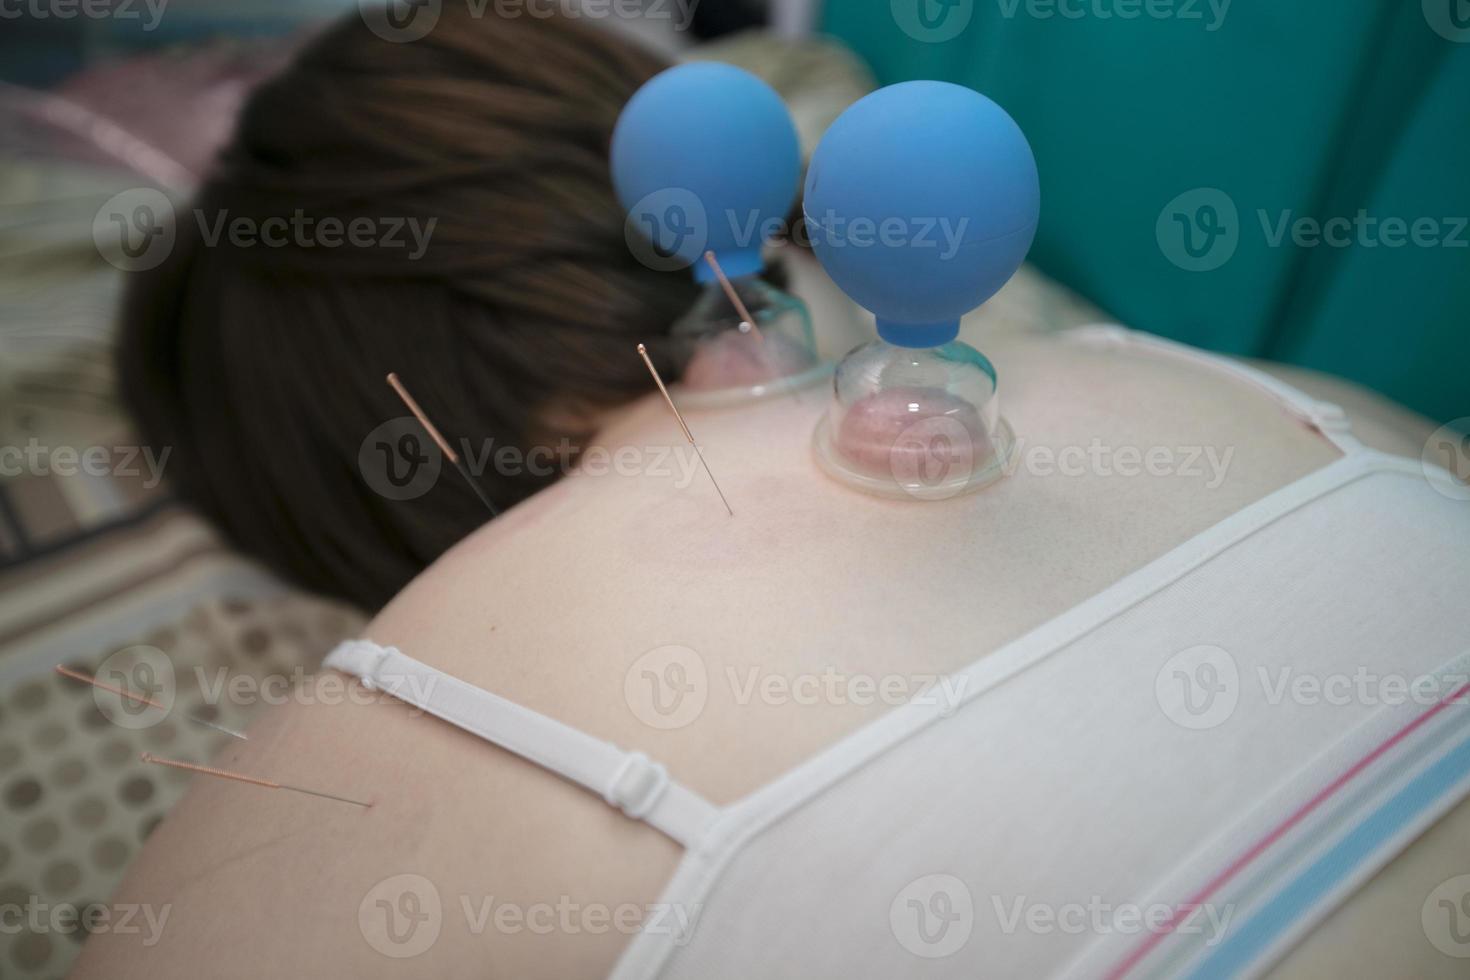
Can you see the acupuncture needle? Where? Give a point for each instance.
(240, 777)
(77, 675)
(643, 353)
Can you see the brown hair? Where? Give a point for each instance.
(263, 365)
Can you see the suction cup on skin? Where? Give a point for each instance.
(914, 423)
(705, 158)
(921, 201)
(728, 362)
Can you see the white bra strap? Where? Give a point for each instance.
(1328, 419)
(630, 781)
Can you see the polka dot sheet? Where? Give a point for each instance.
(77, 801)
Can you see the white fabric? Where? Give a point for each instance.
(1319, 828)
(628, 780)
(1061, 784)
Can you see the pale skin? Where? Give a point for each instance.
(552, 603)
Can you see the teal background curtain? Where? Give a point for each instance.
(1180, 149)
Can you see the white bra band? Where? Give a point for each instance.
(630, 781)
(1325, 417)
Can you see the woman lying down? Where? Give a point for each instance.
(1080, 724)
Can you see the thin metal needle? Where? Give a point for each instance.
(240, 777)
(418, 413)
(325, 796)
(643, 353)
(746, 318)
(77, 675)
(442, 443)
(732, 295)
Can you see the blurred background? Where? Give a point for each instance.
(1285, 181)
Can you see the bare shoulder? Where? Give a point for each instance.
(451, 871)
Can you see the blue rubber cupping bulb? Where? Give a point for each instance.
(921, 201)
(705, 156)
